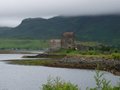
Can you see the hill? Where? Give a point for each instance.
(87, 28)
(4, 29)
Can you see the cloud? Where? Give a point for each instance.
(21, 9)
(11, 22)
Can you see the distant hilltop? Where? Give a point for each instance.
(87, 28)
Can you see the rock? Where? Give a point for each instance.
(117, 67)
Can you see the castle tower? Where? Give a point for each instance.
(67, 41)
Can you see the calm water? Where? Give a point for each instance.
(19, 77)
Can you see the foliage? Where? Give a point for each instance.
(41, 62)
(116, 56)
(90, 53)
(88, 43)
(102, 83)
(58, 84)
(23, 44)
(100, 51)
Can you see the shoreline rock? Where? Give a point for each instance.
(80, 62)
(110, 65)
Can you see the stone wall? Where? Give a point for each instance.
(55, 44)
(67, 41)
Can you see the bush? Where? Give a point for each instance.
(116, 56)
(58, 84)
(102, 83)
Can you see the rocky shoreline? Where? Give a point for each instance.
(110, 65)
(74, 61)
(84, 62)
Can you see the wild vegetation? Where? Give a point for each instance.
(58, 84)
(16, 44)
(43, 62)
(101, 84)
(92, 49)
(90, 54)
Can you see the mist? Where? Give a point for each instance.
(12, 12)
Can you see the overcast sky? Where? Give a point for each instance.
(13, 11)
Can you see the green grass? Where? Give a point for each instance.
(44, 62)
(89, 54)
(115, 56)
(74, 52)
(23, 44)
(91, 44)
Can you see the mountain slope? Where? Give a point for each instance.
(87, 28)
(4, 30)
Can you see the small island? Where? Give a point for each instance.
(68, 53)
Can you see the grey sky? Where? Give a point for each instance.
(13, 11)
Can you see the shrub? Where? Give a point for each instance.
(102, 83)
(116, 56)
(58, 84)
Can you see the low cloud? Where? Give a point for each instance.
(20, 9)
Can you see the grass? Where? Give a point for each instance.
(74, 52)
(23, 44)
(89, 54)
(115, 56)
(53, 62)
(44, 62)
(53, 56)
(91, 44)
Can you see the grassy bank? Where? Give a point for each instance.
(52, 63)
(45, 62)
(23, 44)
(73, 62)
(7, 51)
(114, 56)
(89, 53)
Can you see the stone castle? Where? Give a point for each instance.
(67, 41)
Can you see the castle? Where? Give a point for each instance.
(67, 41)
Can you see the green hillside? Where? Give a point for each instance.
(3, 30)
(87, 28)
